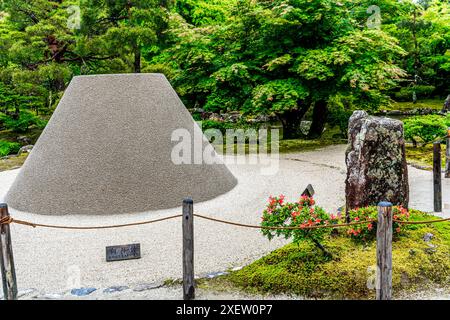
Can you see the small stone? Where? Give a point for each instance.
(26, 292)
(146, 286)
(428, 236)
(115, 289)
(24, 140)
(236, 268)
(216, 117)
(52, 296)
(216, 274)
(25, 149)
(431, 248)
(82, 291)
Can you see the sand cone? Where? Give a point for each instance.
(107, 150)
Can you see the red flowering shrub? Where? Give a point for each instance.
(367, 232)
(303, 214)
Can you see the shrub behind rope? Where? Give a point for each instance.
(10, 220)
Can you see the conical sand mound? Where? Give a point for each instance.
(107, 150)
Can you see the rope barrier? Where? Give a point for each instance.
(10, 220)
(422, 222)
(283, 228)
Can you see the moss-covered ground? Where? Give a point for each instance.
(422, 156)
(13, 162)
(435, 104)
(303, 270)
(331, 136)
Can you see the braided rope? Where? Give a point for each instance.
(283, 228)
(10, 220)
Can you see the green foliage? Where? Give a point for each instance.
(199, 12)
(406, 93)
(426, 128)
(278, 96)
(281, 57)
(220, 125)
(340, 108)
(368, 231)
(7, 148)
(22, 123)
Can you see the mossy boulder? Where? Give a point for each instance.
(376, 162)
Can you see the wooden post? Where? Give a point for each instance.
(384, 251)
(437, 183)
(7, 259)
(447, 154)
(188, 250)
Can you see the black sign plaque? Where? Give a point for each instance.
(124, 252)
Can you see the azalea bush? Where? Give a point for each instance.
(368, 231)
(303, 213)
(294, 220)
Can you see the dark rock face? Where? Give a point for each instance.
(376, 162)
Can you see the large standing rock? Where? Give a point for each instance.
(376, 162)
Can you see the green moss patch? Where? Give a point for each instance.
(303, 270)
(13, 162)
(422, 156)
(421, 104)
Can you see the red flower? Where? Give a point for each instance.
(369, 226)
(356, 219)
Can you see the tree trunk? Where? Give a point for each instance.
(321, 247)
(291, 123)
(137, 59)
(319, 119)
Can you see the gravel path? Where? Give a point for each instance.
(53, 260)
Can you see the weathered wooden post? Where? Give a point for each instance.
(188, 250)
(384, 251)
(447, 154)
(437, 183)
(7, 259)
